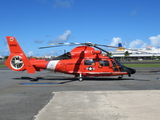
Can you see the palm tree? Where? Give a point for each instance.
(126, 54)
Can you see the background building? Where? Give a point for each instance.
(148, 53)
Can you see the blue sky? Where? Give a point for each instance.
(36, 23)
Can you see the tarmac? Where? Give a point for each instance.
(61, 97)
(106, 105)
(103, 105)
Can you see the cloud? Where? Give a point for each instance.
(30, 53)
(135, 43)
(55, 52)
(5, 52)
(144, 45)
(63, 3)
(115, 41)
(155, 41)
(38, 41)
(62, 38)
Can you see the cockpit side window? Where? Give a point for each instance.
(113, 63)
(104, 63)
(119, 64)
(89, 62)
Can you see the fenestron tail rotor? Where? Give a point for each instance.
(16, 62)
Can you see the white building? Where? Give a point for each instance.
(141, 53)
(1, 57)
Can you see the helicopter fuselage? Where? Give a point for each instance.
(82, 61)
(87, 61)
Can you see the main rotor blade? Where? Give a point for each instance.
(71, 43)
(107, 46)
(60, 44)
(49, 47)
(101, 49)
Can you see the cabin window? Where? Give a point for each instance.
(104, 63)
(89, 62)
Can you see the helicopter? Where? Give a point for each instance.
(82, 61)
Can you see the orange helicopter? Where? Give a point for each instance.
(81, 62)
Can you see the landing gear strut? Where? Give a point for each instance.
(80, 77)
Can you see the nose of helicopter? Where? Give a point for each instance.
(131, 70)
(128, 70)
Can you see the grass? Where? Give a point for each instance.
(2, 65)
(142, 65)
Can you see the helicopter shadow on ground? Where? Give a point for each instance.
(112, 79)
(47, 80)
(63, 80)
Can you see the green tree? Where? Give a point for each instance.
(126, 54)
(5, 57)
(154, 57)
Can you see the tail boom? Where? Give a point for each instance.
(18, 61)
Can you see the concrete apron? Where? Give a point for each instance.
(102, 105)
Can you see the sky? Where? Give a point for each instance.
(37, 23)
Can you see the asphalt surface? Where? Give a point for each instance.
(21, 99)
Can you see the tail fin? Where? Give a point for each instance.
(17, 60)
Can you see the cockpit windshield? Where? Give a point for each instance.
(119, 64)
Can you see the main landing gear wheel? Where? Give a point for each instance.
(120, 77)
(16, 62)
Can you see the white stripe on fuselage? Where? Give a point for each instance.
(52, 64)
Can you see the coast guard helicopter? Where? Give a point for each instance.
(82, 61)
